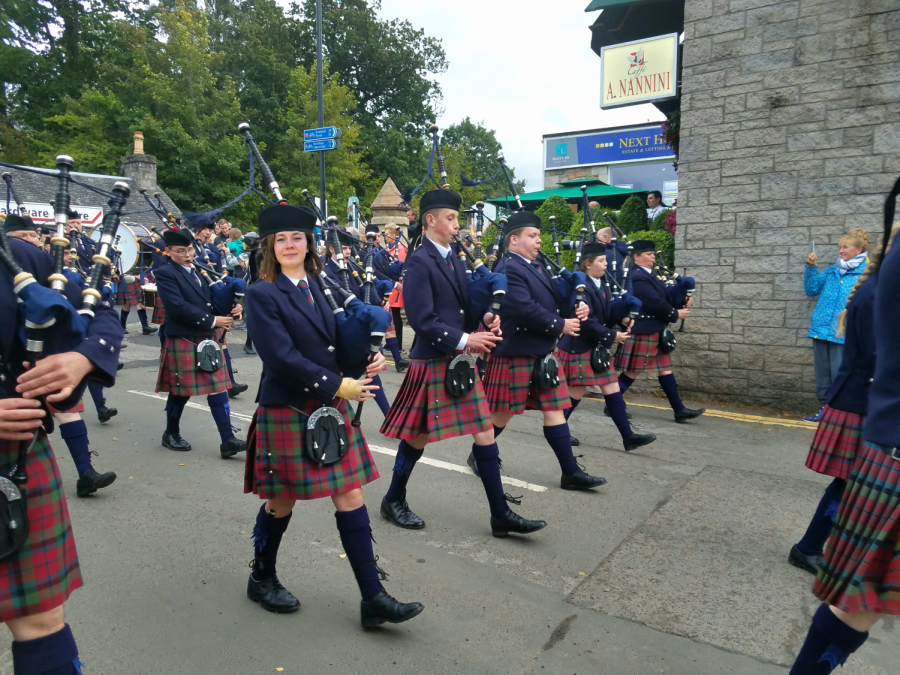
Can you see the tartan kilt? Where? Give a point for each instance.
(391, 332)
(178, 373)
(578, 372)
(423, 406)
(836, 443)
(44, 572)
(159, 312)
(131, 293)
(77, 409)
(861, 571)
(640, 353)
(277, 468)
(508, 388)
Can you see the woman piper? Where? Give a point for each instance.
(301, 376)
(859, 581)
(574, 352)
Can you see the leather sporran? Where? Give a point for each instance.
(209, 356)
(326, 441)
(600, 359)
(13, 518)
(461, 375)
(667, 341)
(546, 372)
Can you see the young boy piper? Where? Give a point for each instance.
(436, 298)
(531, 314)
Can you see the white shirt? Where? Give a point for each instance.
(648, 270)
(598, 282)
(655, 211)
(445, 251)
(190, 270)
(523, 257)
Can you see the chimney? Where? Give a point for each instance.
(140, 168)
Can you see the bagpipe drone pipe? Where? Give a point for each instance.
(679, 289)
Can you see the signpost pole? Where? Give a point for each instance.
(322, 201)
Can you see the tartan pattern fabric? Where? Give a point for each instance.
(178, 371)
(131, 293)
(280, 469)
(159, 312)
(77, 409)
(641, 352)
(391, 332)
(43, 573)
(861, 571)
(508, 388)
(836, 443)
(423, 406)
(578, 372)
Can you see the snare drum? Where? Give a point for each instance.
(127, 242)
(149, 295)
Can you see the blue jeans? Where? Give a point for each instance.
(826, 359)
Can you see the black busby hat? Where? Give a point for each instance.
(285, 218)
(344, 237)
(372, 228)
(180, 237)
(440, 199)
(643, 246)
(72, 214)
(519, 220)
(593, 249)
(17, 223)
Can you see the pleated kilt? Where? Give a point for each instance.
(44, 572)
(159, 312)
(640, 353)
(578, 372)
(391, 332)
(77, 409)
(178, 372)
(862, 556)
(836, 443)
(277, 467)
(508, 387)
(131, 293)
(423, 406)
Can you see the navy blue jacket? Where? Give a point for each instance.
(188, 305)
(883, 420)
(101, 344)
(531, 313)
(214, 258)
(435, 297)
(850, 389)
(657, 312)
(85, 248)
(298, 354)
(356, 285)
(593, 329)
(382, 264)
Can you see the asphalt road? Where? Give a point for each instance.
(677, 566)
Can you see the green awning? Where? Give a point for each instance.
(606, 195)
(603, 4)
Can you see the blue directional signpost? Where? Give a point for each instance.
(318, 146)
(324, 138)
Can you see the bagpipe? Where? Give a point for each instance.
(679, 289)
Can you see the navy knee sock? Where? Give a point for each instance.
(573, 403)
(497, 431)
(487, 458)
(670, 388)
(380, 396)
(123, 316)
(407, 456)
(162, 337)
(249, 343)
(813, 542)
(828, 644)
(228, 365)
(391, 344)
(218, 405)
(624, 382)
(356, 536)
(96, 394)
(561, 441)
(54, 654)
(142, 315)
(266, 537)
(174, 409)
(616, 406)
(75, 435)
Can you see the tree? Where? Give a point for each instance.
(566, 222)
(633, 215)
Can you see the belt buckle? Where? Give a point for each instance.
(895, 453)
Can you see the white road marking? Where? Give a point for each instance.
(515, 482)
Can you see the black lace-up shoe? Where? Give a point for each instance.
(271, 595)
(383, 608)
(810, 563)
(146, 330)
(175, 442)
(470, 460)
(683, 416)
(513, 522)
(105, 414)
(237, 389)
(574, 441)
(637, 440)
(231, 447)
(581, 481)
(401, 515)
(92, 481)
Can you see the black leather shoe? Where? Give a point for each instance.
(271, 595)
(123, 346)
(400, 514)
(92, 481)
(513, 522)
(119, 366)
(606, 411)
(105, 414)
(249, 350)
(231, 447)
(401, 366)
(688, 414)
(637, 440)
(470, 460)
(574, 441)
(149, 329)
(175, 442)
(237, 389)
(383, 608)
(810, 563)
(581, 481)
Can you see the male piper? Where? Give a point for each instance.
(532, 316)
(424, 411)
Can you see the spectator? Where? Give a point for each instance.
(654, 205)
(604, 236)
(832, 285)
(235, 241)
(222, 228)
(413, 228)
(395, 301)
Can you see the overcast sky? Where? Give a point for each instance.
(524, 69)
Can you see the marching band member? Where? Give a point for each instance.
(642, 351)
(381, 265)
(301, 376)
(574, 352)
(531, 317)
(396, 249)
(190, 321)
(436, 298)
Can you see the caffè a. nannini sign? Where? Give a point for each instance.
(639, 71)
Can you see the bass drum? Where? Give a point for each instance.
(127, 243)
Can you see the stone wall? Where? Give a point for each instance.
(790, 131)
